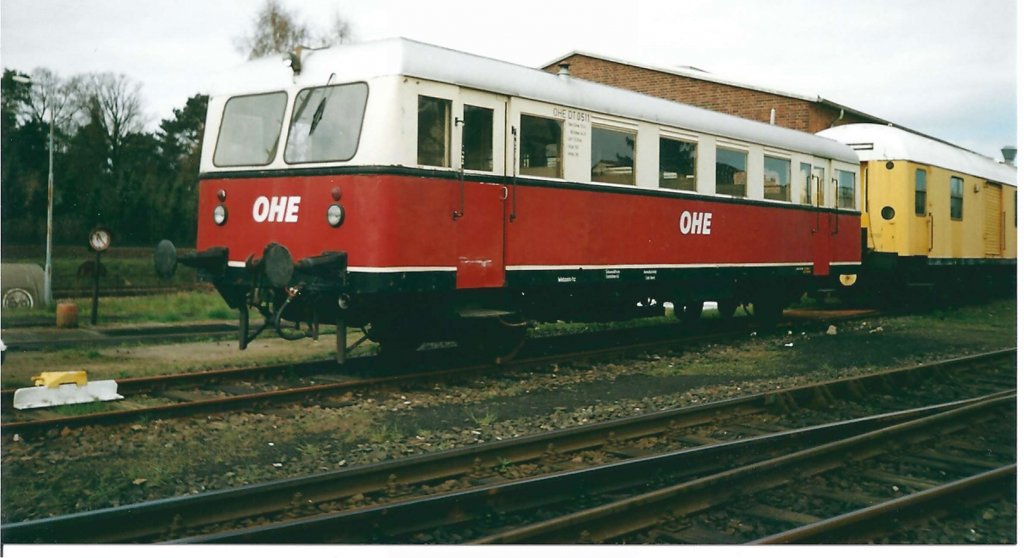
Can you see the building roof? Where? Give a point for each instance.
(699, 74)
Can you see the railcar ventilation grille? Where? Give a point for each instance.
(862, 146)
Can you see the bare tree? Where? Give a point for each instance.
(52, 97)
(339, 32)
(113, 103)
(277, 31)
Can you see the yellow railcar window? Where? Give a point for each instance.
(956, 198)
(920, 192)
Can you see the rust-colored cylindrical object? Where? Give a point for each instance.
(67, 315)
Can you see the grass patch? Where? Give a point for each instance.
(870, 343)
(487, 419)
(165, 308)
(565, 328)
(80, 409)
(125, 267)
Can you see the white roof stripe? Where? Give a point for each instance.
(888, 143)
(414, 59)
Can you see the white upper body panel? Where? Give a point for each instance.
(386, 63)
(875, 142)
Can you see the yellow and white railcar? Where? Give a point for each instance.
(934, 214)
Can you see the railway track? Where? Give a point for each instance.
(521, 490)
(127, 335)
(219, 390)
(225, 330)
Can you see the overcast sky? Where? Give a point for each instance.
(944, 67)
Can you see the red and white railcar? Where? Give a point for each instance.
(426, 193)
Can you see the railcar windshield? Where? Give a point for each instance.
(326, 123)
(250, 130)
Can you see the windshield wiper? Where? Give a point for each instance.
(318, 115)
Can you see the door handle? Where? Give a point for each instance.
(931, 232)
(504, 193)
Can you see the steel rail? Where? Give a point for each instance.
(863, 524)
(629, 515)
(149, 519)
(540, 345)
(423, 514)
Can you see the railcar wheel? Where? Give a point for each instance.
(688, 312)
(727, 309)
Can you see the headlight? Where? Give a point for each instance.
(335, 215)
(220, 214)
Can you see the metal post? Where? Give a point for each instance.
(48, 277)
(341, 341)
(48, 269)
(95, 288)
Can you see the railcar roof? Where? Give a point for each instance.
(419, 60)
(887, 143)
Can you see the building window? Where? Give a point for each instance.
(920, 192)
(433, 132)
(846, 190)
(678, 165)
(956, 198)
(249, 130)
(731, 172)
(611, 156)
(806, 195)
(776, 179)
(326, 123)
(541, 151)
(478, 138)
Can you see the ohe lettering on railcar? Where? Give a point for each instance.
(697, 222)
(276, 209)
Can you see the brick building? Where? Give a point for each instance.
(697, 88)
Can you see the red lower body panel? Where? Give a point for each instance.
(480, 231)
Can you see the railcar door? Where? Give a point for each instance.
(481, 197)
(821, 234)
(994, 232)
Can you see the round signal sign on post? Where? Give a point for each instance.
(99, 239)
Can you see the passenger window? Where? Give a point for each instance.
(846, 189)
(541, 151)
(326, 124)
(249, 130)
(611, 156)
(806, 195)
(776, 179)
(677, 164)
(956, 198)
(433, 133)
(478, 138)
(920, 192)
(731, 172)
